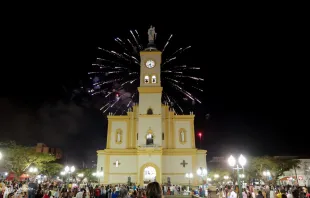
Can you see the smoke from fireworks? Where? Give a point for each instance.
(115, 77)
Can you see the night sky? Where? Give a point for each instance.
(253, 91)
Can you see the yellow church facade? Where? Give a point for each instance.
(151, 142)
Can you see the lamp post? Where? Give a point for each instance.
(266, 174)
(189, 176)
(98, 174)
(69, 170)
(226, 178)
(202, 172)
(241, 162)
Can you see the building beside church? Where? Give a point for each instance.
(43, 148)
(151, 142)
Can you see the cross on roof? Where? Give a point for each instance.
(117, 163)
(184, 163)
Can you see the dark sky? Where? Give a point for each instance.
(254, 91)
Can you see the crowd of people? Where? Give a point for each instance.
(264, 192)
(13, 189)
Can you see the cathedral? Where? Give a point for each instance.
(151, 142)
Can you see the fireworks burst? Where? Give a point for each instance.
(115, 77)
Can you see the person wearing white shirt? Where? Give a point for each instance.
(232, 193)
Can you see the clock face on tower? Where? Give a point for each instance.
(150, 64)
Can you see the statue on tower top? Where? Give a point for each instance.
(152, 34)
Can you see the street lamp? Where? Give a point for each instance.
(189, 176)
(226, 177)
(33, 169)
(202, 172)
(216, 176)
(1, 155)
(69, 170)
(98, 174)
(241, 162)
(80, 175)
(266, 174)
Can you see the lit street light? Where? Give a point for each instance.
(226, 177)
(241, 162)
(189, 176)
(69, 170)
(33, 170)
(1, 155)
(98, 174)
(216, 176)
(202, 172)
(80, 175)
(266, 174)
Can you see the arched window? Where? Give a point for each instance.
(153, 79)
(149, 111)
(146, 79)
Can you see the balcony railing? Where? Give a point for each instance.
(149, 146)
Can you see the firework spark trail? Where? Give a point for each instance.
(176, 51)
(186, 48)
(183, 91)
(101, 66)
(133, 95)
(120, 55)
(174, 102)
(107, 107)
(168, 60)
(108, 94)
(135, 39)
(129, 103)
(167, 43)
(191, 77)
(107, 82)
(174, 80)
(104, 106)
(174, 72)
(123, 44)
(120, 42)
(180, 50)
(133, 47)
(197, 88)
(141, 46)
(102, 59)
(135, 59)
(130, 52)
(133, 81)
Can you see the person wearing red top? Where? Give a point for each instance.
(97, 192)
(46, 195)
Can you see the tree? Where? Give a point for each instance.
(87, 173)
(51, 169)
(282, 165)
(221, 173)
(18, 158)
(277, 166)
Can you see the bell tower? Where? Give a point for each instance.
(150, 90)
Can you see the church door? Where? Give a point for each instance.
(149, 175)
